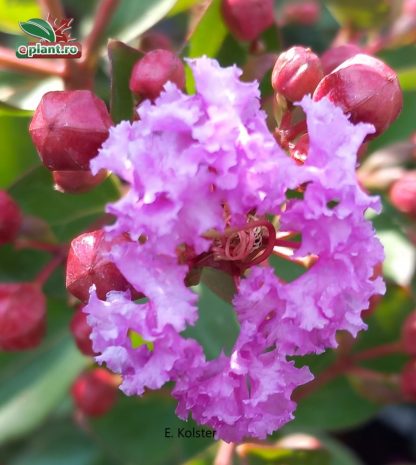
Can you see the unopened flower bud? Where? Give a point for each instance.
(89, 264)
(153, 40)
(94, 392)
(366, 88)
(81, 332)
(408, 381)
(296, 73)
(403, 193)
(306, 12)
(22, 316)
(10, 218)
(409, 334)
(77, 182)
(333, 57)
(247, 19)
(68, 128)
(153, 71)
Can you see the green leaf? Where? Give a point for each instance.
(139, 435)
(183, 5)
(67, 215)
(361, 14)
(217, 327)
(122, 59)
(18, 152)
(13, 11)
(407, 78)
(272, 455)
(206, 38)
(219, 283)
(59, 441)
(40, 28)
(29, 391)
(133, 17)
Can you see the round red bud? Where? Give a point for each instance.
(10, 218)
(81, 331)
(409, 334)
(366, 88)
(68, 128)
(94, 392)
(408, 381)
(403, 194)
(88, 263)
(77, 182)
(22, 316)
(333, 57)
(153, 71)
(153, 40)
(296, 73)
(306, 12)
(247, 19)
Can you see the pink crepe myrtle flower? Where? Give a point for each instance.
(204, 171)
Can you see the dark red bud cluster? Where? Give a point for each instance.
(305, 12)
(366, 88)
(408, 381)
(403, 194)
(247, 19)
(10, 218)
(81, 332)
(409, 334)
(89, 264)
(94, 392)
(296, 73)
(68, 128)
(153, 71)
(22, 316)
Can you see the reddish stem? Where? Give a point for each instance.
(225, 453)
(52, 8)
(9, 60)
(379, 351)
(92, 43)
(38, 245)
(296, 130)
(289, 244)
(49, 268)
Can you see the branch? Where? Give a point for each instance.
(92, 43)
(9, 60)
(52, 8)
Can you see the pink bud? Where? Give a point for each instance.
(403, 193)
(247, 19)
(306, 12)
(10, 218)
(408, 381)
(409, 334)
(88, 263)
(81, 332)
(296, 73)
(94, 392)
(76, 182)
(333, 57)
(366, 88)
(22, 316)
(153, 71)
(68, 128)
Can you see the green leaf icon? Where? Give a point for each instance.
(38, 28)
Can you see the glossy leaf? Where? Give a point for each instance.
(29, 391)
(133, 17)
(141, 431)
(18, 152)
(66, 214)
(122, 59)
